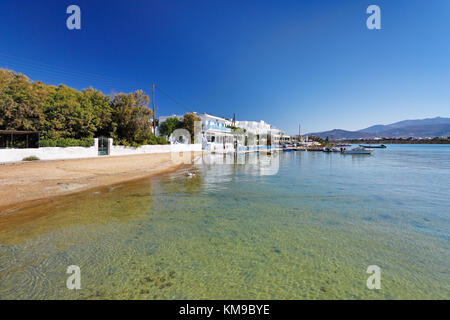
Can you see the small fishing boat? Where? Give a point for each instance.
(358, 150)
(381, 146)
(333, 149)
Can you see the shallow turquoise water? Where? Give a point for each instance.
(298, 225)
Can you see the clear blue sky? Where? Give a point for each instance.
(287, 62)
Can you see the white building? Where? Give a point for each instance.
(264, 131)
(216, 134)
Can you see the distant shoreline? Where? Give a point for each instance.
(393, 141)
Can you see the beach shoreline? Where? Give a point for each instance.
(27, 184)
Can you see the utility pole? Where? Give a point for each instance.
(153, 97)
(299, 133)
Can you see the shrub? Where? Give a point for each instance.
(30, 158)
(158, 140)
(67, 142)
(151, 141)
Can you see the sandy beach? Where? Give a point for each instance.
(25, 183)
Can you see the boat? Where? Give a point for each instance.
(343, 145)
(358, 150)
(333, 149)
(381, 146)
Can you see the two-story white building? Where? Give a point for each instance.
(263, 134)
(216, 134)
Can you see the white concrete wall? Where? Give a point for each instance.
(51, 153)
(47, 153)
(218, 147)
(121, 150)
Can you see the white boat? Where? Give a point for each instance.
(333, 149)
(358, 150)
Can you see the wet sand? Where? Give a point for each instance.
(25, 183)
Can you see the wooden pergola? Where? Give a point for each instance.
(19, 139)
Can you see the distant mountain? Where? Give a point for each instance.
(341, 134)
(430, 127)
(407, 123)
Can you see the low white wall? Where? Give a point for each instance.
(218, 147)
(51, 153)
(47, 153)
(121, 150)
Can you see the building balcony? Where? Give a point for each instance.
(216, 127)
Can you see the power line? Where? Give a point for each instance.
(174, 100)
(60, 74)
(55, 68)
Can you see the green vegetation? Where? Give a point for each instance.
(166, 128)
(171, 124)
(67, 117)
(236, 129)
(323, 142)
(67, 142)
(153, 140)
(30, 158)
(188, 123)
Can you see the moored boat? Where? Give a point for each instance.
(343, 145)
(358, 150)
(381, 146)
(333, 149)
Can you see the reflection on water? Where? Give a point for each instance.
(287, 225)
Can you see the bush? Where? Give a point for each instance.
(125, 143)
(67, 142)
(30, 158)
(152, 141)
(158, 140)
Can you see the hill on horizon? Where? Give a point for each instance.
(420, 128)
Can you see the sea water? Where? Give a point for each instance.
(288, 225)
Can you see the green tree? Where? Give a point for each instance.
(100, 107)
(189, 123)
(66, 116)
(20, 102)
(69, 114)
(132, 117)
(167, 127)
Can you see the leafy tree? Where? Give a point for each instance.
(189, 123)
(132, 117)
(20, 102)
(167, 127)
(101, 110)
(66, 116)
(69, 115)
(317, 139)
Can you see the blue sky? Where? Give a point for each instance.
(285, 62)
